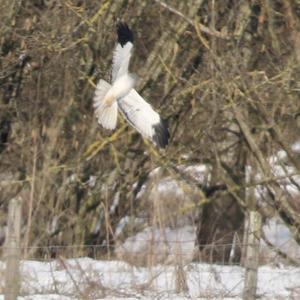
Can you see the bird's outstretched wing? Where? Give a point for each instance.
(144, 119)
(123, 51)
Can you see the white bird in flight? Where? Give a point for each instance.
(121, 95)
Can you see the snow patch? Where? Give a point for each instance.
(96, 279)
(280, 236)
(165, 245)
(296, 147)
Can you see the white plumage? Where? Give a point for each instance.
(139, 113)
(121, 60)
(121, 95)
(107, 114)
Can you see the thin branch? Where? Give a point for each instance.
(32, 192)
(202, 27)
(280, 252)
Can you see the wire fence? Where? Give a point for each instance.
(155, 267)
(222, 254)
(106, 276)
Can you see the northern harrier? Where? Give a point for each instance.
(121, 95)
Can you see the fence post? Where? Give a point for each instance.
(180, 276)
(252, 255)
(12, 249)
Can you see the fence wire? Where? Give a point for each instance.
(222, 254)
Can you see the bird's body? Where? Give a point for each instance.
(120, 88)
(121, 95)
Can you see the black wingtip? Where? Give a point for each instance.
(162, 135)
(125, 35)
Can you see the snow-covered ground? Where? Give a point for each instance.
(85, 278)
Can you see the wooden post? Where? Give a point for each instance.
(180, 276)
(12, 249)
(252, 255)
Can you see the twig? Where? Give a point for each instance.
(279, 252)
(32, 191)
(202, 27)
(76, 285)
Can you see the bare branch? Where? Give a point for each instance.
(202, 27)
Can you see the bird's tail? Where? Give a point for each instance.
(106, 114)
